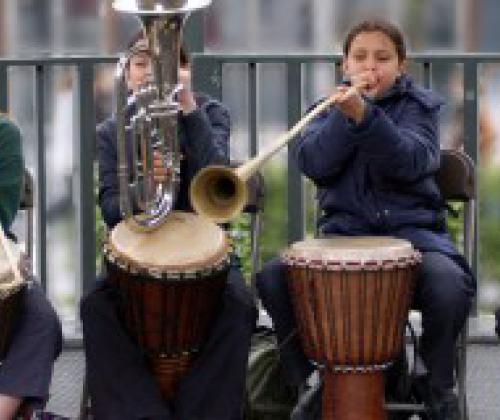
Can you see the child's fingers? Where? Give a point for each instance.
(160, 171)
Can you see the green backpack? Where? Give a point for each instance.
(269, 397)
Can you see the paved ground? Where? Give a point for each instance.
(483, 382)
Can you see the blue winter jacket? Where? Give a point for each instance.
(377, 177)
(204, 140)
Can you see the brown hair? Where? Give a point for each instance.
(138, 44)
(377, 25)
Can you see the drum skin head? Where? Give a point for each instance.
(346, 249)
(185, 242)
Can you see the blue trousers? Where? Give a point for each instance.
(121, 385)
(26, 371)
(443, 294)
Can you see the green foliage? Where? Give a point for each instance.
(456, 224)
(275, 219)
(242, 243)
(489, 222)
(274, 222)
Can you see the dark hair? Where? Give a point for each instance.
(184, 60)
(377, 25)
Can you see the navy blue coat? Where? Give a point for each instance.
(204, 140)
(377, 178)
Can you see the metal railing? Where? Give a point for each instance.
(207, 77)
(84, 146)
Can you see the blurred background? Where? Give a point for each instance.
(35, 28)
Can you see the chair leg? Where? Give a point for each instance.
(461, 373)
(84, 402)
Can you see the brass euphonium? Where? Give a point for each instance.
(145, 203)
(220, 193)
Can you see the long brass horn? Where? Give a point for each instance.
(220, 193)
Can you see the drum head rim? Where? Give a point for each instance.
(355, 252)
(215, 262)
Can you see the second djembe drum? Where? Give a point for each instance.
(351, 298)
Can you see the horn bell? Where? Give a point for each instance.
(218, 193)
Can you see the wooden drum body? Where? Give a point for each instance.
(351, 297)
(11, 299)
(171, 281)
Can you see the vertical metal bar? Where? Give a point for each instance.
(29, 233)
(471, 135)
(296, 216)
(194, 32)
(41, 197)
(4, 89)
(252, 105)
(471, 108)
(85, 152)
(28, 206)
(338, 71)
(427, 67)
(338, 76)
(253, 149)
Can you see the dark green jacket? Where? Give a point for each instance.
(11, 171)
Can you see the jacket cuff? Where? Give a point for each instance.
(366, 122)
(192, 117)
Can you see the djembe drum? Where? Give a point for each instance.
(351, 298)
(171, 281)
(11, 293)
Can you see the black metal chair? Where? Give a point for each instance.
(27, 203)
(456, 179)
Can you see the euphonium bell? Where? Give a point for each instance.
(144, 202)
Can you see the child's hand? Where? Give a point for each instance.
(161, 173)
(350, 102)
(368, 82)
(186, 97)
